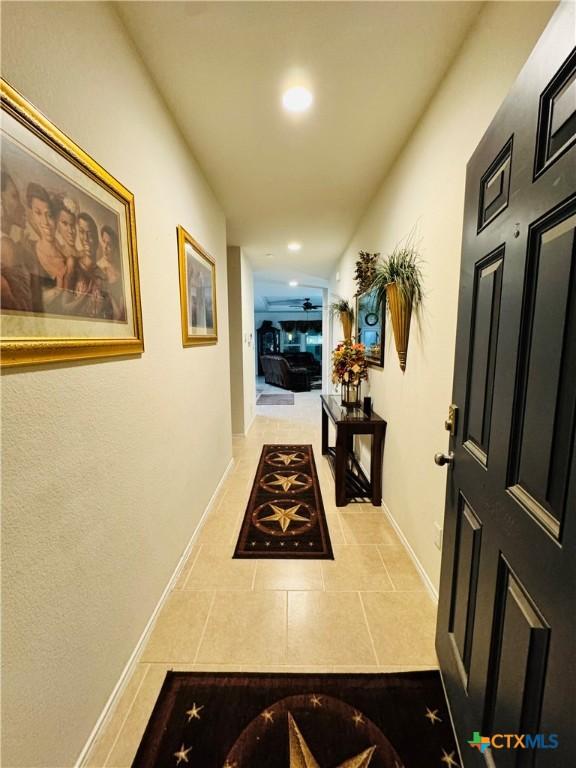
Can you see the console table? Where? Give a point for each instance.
(351, 482)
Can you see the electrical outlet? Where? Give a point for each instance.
(438, 531)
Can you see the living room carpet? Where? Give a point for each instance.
(238, 720)
(285, 515)
(271, 398)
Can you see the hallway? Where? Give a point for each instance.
(366, 611)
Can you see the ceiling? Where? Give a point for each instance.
(222, 68)
(276, 296)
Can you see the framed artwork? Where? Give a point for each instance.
(197, 292)
(370, 327)
(69, 265)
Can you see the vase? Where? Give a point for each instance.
(400, 315)
(350, 394)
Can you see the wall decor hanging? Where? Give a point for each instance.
(398, 283)
(197, 292)
(370, 316)
(69, 279)
(343, 309)
(365, 271)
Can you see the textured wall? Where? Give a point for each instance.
(107, 466)
(425, 188)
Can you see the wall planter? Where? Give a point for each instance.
(400, 310)
(398, 282)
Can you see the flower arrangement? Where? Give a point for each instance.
(349, 364)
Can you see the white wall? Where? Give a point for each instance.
(242, 340)
(425, 187)
(248, 342)
(107, 466)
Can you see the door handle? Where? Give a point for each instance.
(442, 458)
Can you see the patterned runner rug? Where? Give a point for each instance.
(238, 720)
(285, 516)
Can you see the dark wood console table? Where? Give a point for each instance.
(351, 482)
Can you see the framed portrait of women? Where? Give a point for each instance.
(197, 292)
(370, 327)
(69, 265)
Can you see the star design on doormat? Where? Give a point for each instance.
(285, 482)
(449, 759)
(302, 757)
(316, 701)
(358, 719)
(182, 754)
(268, 716)
(432, 715)
(284, 516)
(194, 713)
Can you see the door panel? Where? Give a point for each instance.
(505, 635)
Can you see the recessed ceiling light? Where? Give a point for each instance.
(293, 283)
(297, 99)
(294, 246)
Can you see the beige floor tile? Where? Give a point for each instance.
(104, 744)
(288, 575)
(355, 568)
(179, 627)
(216, 569)
(361, 527)
(401, 569)
(245, 628)
(327, 628)
(126, 745)
(222, 527)
(402, 625)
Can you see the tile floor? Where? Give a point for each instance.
(366, 611)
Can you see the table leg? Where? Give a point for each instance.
(324, 432)
(376, 467)
(340, 467)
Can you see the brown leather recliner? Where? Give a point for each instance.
(280, 373)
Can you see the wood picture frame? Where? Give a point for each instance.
(70, 283)
(370, 319)
(198, 297)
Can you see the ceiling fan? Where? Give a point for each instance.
(305, 304)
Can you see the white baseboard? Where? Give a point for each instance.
(419, 567)
(133, 660)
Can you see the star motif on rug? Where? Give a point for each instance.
(286, 458)
(316, 701)
(284, 516)
(268, 716)
(449, 759)
(286, 482)
(182, 754)
(358, 719)
(194, 713)
(432, 715)
(302, 757)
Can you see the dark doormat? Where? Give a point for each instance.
(238, 720)
(285, 515)
(271, 398)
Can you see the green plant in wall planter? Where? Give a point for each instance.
(343, 309)
(398, 282)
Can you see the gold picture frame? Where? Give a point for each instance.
(70, 283)
(198, 297)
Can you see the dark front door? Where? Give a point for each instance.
(506, 635)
